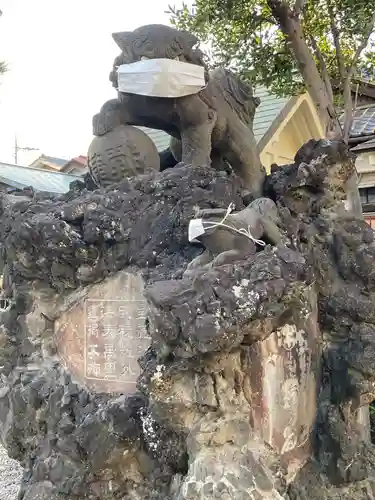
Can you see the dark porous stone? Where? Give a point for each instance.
(236, 351)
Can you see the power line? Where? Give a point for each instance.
(19, 148)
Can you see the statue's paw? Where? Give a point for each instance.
(102, 124)
(182, 164)
(227, 257)
(201, 263)
(192, 164)
(189, 273)
(196, 270)
(186, 164)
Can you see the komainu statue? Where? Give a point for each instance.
(228, 237)
(213, 125)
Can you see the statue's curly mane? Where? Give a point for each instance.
(238, 94)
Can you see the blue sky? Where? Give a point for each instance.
(59, 55)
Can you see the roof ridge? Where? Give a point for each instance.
(58, 172)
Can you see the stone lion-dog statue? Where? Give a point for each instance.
(213, 126)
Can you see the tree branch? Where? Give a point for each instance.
(348, 110)
(299, 6)
(259, 19)
(336, 41)
(291, 27)
(323, 67)
(367, 33)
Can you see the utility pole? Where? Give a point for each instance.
(19, 148)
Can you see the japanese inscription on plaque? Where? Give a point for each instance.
(101, 338)
(115, 338)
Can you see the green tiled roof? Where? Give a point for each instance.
(267, 112)
(269, 109)
(160, 138)
(41, 180)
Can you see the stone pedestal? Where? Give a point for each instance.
(225, 403)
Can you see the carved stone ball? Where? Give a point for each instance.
(125, 151)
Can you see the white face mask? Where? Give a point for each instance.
(161, 78)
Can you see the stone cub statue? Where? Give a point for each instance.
(225, 246)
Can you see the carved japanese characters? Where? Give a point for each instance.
(123, 152)
(101, 337)
(216, 122)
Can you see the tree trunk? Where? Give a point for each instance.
(352, 191)
(348, 109)
(291, 27)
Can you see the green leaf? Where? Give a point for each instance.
(246, 36)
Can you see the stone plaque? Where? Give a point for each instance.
(100, 338)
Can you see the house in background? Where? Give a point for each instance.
(362, 143)
(45, 162)
(47, 173)
(48, 180)
(281, 126)
(76, 166)
(362, 91)
(365, 164)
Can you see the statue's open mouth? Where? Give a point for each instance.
(161, 78)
